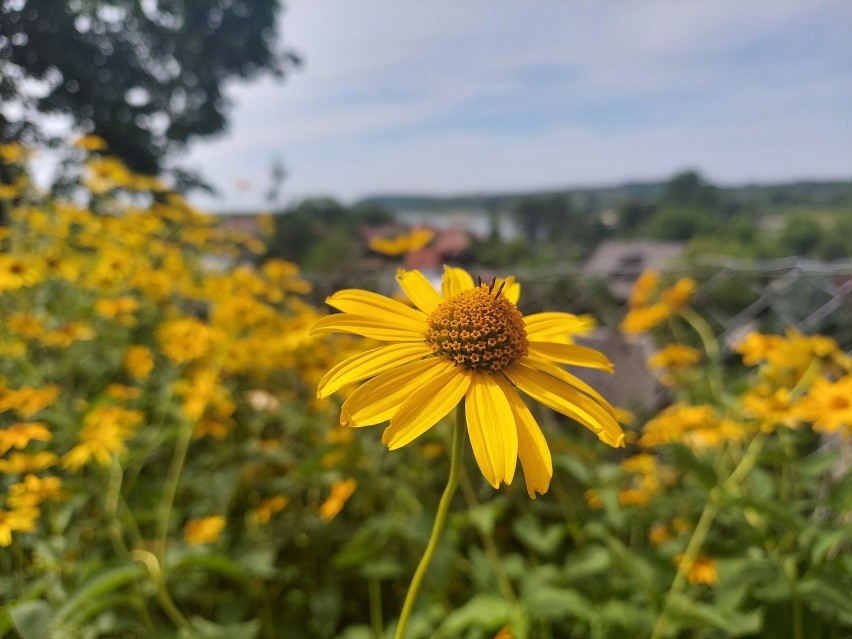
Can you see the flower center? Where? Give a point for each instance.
(479, 329)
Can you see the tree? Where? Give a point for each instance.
(147, 77)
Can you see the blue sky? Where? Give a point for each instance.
(448, 97)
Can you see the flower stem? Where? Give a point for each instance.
(440, 520)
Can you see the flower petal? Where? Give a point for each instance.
(455, 281)
(384, 329)
(533, 450)
(377, 400)
(553, 326)
(360, 302)
(418, 289)
(426, 405)
(570, 354)
(511, 289)
(491, 428)
(564, 399)
(370, 364)
(568, 378)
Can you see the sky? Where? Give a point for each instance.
(447, 98)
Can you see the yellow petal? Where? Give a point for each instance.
(427, 404)
(418, 289)
(370, 364)
(568, 378)
(491, 428)
(360, 302)
(455, 281)
(377, 400)
(384, 329)
(533, 451)
(547, 326)
(570, 354)
(511, 289)
(564, 399)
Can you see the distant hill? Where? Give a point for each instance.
(763, 197)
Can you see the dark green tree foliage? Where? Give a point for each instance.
(147, 76)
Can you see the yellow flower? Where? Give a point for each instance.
(675, 356)
(770, 409)
(19, 519)
(34, 490)
(105, 430)
(644, 288)
(27, 401)
(828, 405)
(644, 318)
(700, 571)
(698, 427)
(203, 531)
(26, 325)
(20, 434)
(66, 335)
(120, 308)
(469, 343)
(12, 152)
(659, 534)
(91, 143)
(186, 339)
(409, 242)
(341, 491)
(139, 361)
(678, 295)
(21, 463)
(268, 507)
(123, 393)
(18, 272)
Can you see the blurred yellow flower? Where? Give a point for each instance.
(19, 272)
(644, 318)
(20, 434)
(34, 490)
(185, 339)
(66, 335)
(674, 356)
(770, 409)
(401, 244)
(18, 519)
(21, 463)
(91, 143)
(471, 343)
(679, 294)
(700, 571)
(341, 491)
(828, 406)
(139, 361)
(27, 401)
(268, 507)
(105, 431)
(205, 530)
(698, 427)
(644, 288)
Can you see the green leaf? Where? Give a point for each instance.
(483, 612)
(209, 630)
(554, 603)
(816, 464)
(703, 468)
(104, 583)
(591, 560)
(828, 597)
(735, 624)
(544, 541)
(32, 619)
(214, 563)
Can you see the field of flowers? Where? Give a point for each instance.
(168, 469)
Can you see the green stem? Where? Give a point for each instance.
(702, 528)
(440, 520)
(711, 347)
(375, 594)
